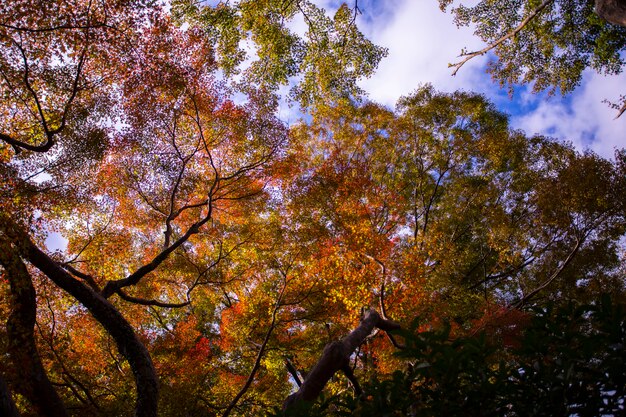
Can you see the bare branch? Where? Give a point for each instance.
(336, 357)
(85, 277)
(113, 286)
(621, 110)
(355, 383)
(104, 312)
(293, 372)
(33, 381)
(554, 275)
(515, 31)
(154, 303)
(66, 26)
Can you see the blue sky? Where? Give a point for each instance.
(422, 41)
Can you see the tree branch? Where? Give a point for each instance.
(145, 302)
(469, 55)
(257, 362)
(293, 372)
(113, 286)
(554, 275)
(336, 357)
(104, 312)
(33, 381)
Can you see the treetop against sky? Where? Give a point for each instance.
(422, 41)
(217, 254)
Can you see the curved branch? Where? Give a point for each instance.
(50, 133)
(85, 277)
(381, 299)
(469, 55)
(336, 357)
(17, 145)
(114, 286)
(613, 11)
(104, 312)
(145, 302)
(621, 110)
(33, 381)
(554, 275)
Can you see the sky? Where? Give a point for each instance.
(422, 40)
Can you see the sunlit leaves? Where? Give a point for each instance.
(329, 58)
(551, 50)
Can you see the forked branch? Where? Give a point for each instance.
(469, 55)
(336, 357)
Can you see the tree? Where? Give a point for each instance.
(544, 43)
(329, 58)
(118, 133)
(212, 253)
(439, 208)
(562, 360)
(443, 198)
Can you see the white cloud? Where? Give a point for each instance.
(582, 119)
(422, 41)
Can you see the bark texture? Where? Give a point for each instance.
(336, 357)
(7, 406)
(32, 380)
(613, 11)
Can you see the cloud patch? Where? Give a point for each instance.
(422, 41)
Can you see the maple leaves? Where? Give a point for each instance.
(208, 245)
(328, 59)
(450, 202)
(55, 56)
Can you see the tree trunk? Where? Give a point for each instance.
(104, 312)
(7, 406)
(613, 11)
(336, 357)
(32, 381)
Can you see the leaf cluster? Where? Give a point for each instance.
(567, 360)
(552, 49)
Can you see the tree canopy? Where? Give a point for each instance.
(545, 44)
(217, 258)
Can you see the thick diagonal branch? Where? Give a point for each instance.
(114, 286)
(104, 312)
(336, 357)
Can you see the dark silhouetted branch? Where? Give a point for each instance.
(33, 381)
(336, 357)
(104, 312)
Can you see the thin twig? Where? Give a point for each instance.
(509, 35)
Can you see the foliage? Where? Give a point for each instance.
(208, 245)
(566, 360)
(550, 51)
(330, 57)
